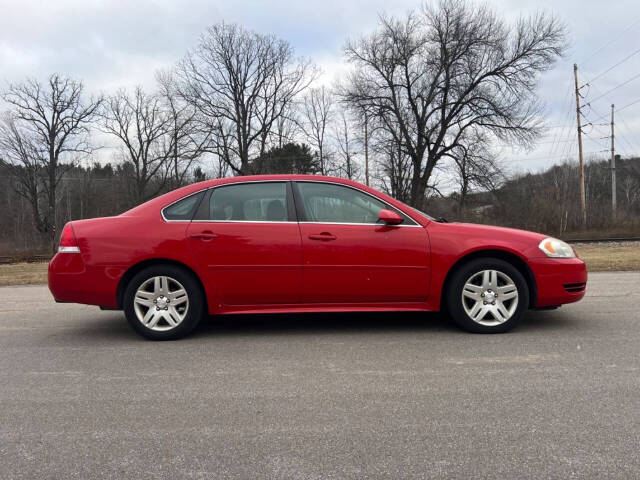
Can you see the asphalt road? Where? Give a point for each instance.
(322, 396)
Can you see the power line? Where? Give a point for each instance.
(549, 157)
(627, 129)
(561, 134)
(619, 135)
(614, 88)
(553, 141)
(612, 67)
(628, 105)
(569, 147)
(615, 39)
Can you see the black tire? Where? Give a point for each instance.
(454, 300)
(193, 314)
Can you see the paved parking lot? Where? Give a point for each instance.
(322, 396)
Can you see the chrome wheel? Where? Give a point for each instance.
(161, 303)
(489, 297)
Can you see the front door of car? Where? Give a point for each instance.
(247, 241)
(349, 257)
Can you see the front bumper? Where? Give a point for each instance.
(558, 280)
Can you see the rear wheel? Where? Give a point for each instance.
(487, 295)
(163, 302)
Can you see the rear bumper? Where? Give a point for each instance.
(71, 281)
(559, 280)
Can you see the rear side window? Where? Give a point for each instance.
(183, 209)
(250, 202)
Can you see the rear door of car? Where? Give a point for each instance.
(349, 257)
(246, 238)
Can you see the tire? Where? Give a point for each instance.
(147, 302)
(481, 302)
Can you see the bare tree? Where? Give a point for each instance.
(25, 164)
(286, 128)
(475, 167)
(347, 146)
(186, 140)
(394, 169)
(221, 168)
(631, 190)
(453, 67)
(242, 82)
(144, 129)
(317, 113)
(47, 128)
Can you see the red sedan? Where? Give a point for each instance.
(297, 243)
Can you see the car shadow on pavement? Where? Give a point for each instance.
(115, 328)
(324, 323)
(379, 322)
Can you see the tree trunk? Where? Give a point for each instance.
(463, 196)
(175, 158)
(52, 233)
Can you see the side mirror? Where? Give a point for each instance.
(389, 217)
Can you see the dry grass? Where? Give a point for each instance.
(598, 256)
(23, 273)
(610, 256)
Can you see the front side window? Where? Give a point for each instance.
(249, 202)
(331, 203)
(183, 209)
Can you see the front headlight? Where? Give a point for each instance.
(555, 248)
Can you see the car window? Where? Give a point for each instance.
(256, 202)
(183, 209)
(327, 202)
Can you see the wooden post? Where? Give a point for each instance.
(583, 203)
(613, 166)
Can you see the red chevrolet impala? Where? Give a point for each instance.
(297, 243)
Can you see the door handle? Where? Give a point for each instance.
(205, 235)
(324, 236)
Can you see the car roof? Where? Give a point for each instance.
(249, 178)
(170, 197)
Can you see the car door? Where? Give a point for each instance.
(348, 257)
(246, 239)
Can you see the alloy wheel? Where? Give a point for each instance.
(489, 297)
(161, 303)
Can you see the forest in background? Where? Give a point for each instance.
(546, 202)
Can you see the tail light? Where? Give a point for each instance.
(68, 242)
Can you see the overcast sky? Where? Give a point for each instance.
(109, 44)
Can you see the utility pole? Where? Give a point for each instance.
(583, 203)
(613, 166)
(366, 148)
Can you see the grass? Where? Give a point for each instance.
(598, 256)
(23, 273)
(605, 257)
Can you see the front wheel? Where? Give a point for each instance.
(163, 302)
(487, 295)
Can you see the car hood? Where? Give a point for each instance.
(462, 238)
(493, 232)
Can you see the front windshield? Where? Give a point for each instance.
(422, 213)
